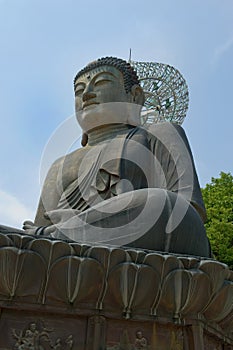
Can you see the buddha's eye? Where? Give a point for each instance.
(102, 82)
(79, 91)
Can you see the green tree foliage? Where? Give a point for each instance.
(218, 198)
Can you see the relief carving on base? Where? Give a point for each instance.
(37, 337)
(174, 341)
(140, 342)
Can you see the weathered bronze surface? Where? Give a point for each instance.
(90, 297)
(129, 185)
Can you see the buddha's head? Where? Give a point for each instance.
(107, 91)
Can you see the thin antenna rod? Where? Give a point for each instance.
(130, 55)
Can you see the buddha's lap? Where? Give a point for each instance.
(152, 218)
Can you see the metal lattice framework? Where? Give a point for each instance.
(166, 92)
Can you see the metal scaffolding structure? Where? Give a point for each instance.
(166, 92)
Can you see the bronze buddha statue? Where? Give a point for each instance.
(128, 185)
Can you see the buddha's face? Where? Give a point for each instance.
(101, 99)
(101, 85)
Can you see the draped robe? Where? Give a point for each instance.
(124, 174)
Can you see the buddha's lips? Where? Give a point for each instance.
(89, 103)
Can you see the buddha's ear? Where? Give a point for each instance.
(84, 139)
(138, 96)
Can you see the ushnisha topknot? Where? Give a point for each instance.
(129, 74)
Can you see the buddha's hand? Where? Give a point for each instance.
(29, 227)
(57, 217)
(60, 216)
(32, 229)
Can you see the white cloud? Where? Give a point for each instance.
(12, 211)
(222, 50)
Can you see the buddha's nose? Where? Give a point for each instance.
(88, 93)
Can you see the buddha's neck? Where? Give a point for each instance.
(106, 132)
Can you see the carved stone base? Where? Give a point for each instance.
(58, 295)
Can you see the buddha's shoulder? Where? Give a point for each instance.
(70, 158)
(164, 129)
(164, 126)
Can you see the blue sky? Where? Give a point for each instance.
(44, 43)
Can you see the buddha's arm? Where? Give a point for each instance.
(49, 197)
(60, 175)
(188, 171)
(171, 147)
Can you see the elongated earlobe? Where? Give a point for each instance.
(84, 139)
(138, 96)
